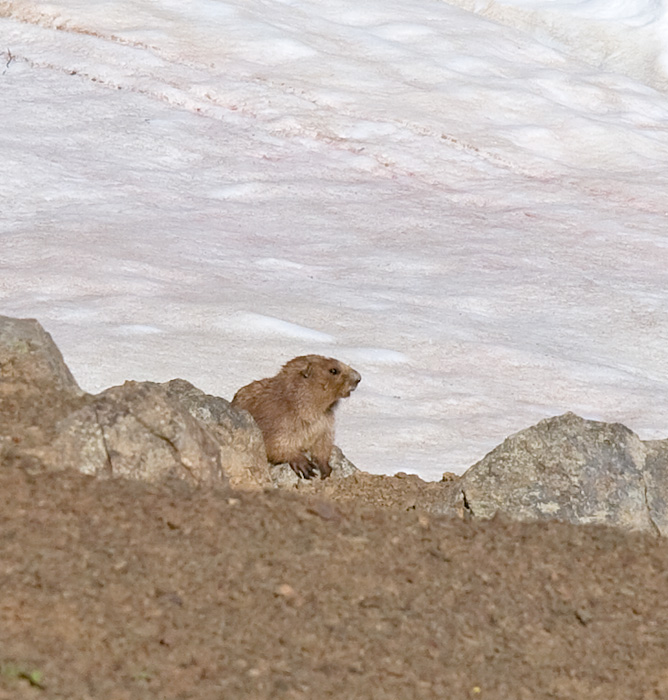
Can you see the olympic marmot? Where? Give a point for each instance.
(295, 411)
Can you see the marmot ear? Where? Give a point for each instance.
(306, 372)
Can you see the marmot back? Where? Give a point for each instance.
(295, 410)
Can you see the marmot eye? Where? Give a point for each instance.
(333, 370)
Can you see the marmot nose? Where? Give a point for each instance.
(357, 378)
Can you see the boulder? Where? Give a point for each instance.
(240, 441)
(139, 430)
(656, 480)
(136, 431)
(572, 469)
(36, 387)
(30, 360)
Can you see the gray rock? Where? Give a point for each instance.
(136, 431)
(32, 371)
(28, 356)
(570, 469)
(36, 388)
(284, 477)
(242, 451)
(656, 481)
(139, 430)
(342, 467)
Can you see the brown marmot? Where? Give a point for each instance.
(295, 411)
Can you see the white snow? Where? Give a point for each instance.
(267, 326)
(466, 201)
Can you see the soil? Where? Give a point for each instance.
(120, 590)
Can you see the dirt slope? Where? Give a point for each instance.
(117, 590)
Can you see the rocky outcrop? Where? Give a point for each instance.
(239, 439)
(30, 362)
(136, 431)
(656, 482)
(571, 469)
(36, 387)
(139, 430)
(565, 468)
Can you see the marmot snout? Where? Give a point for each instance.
(295, 410)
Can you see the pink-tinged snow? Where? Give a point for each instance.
(467, 202)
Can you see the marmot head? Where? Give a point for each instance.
(328, 378)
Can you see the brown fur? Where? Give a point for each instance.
(295, 411)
